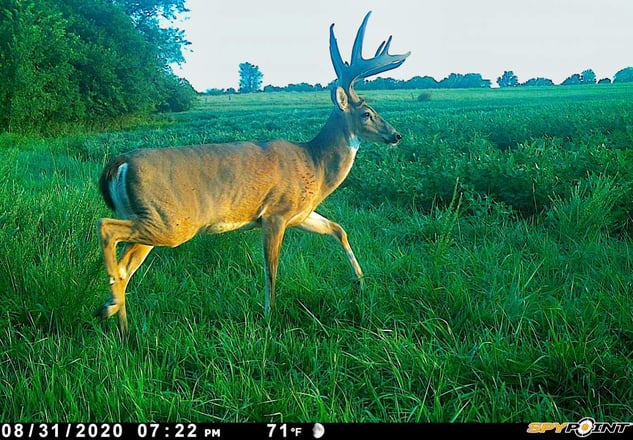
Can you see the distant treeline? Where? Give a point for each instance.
(453, 81)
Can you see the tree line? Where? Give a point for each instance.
(509, 79)
(251, 81)
(88, 61)
(94, 62)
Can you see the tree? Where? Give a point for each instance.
(74, 61)
(379, 83)
(623, 76)
(36, 69)
(117, 69)
(139, 51)
(148, 15)
(572, 80)
(250, 78)
(177, 94)
(301, 87)
(588, 76)
(508, 79)
(538, 82)
(425, 82)
(467, 81)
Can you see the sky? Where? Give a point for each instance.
(289, 40)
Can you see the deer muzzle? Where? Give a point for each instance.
(394, 138)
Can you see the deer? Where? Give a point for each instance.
(164, 196)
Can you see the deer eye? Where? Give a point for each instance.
(367, 115)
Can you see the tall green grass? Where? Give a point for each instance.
(495, 242)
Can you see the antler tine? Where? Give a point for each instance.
(357, 49)
(359, 67)
(384, 44)
(335, 54)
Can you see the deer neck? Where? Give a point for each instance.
(333, 151)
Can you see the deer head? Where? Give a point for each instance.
(363, 120)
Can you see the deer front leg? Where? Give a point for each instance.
(320, 225)
(273, 229)
(112, 232)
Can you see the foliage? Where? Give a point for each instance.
(467, 81)
(250, 78)
(586, 77)
(452, 81)
(422, 82)
(572, 80)
(521, 162)
(508, 79)
(424, 96)
(624, 76)
(177, 94)
(302, 87)
(82, 61)
(496, 242)
(538, 82)
(147, 16)
(214, 92)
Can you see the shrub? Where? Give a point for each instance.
(424, 96)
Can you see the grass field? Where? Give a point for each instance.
(496, 242)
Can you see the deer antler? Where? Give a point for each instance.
(359, 67)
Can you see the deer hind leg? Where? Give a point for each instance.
(273, 229)
(320, 225)
(113, 232)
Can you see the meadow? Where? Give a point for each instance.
(496, 243)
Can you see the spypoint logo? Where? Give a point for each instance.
(583, 428)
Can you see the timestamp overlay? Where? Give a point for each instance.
(142, 431)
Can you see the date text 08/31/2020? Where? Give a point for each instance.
(155, 430)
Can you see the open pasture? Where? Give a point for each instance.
(496, 243)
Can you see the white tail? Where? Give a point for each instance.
(165, 196)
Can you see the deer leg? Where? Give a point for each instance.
(113, 232)
(273, 229)
(320, 225)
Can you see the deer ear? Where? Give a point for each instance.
(340, 99)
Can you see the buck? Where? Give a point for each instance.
(166, 196)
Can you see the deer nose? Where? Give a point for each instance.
(394, 139)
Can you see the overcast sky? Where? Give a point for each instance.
(289, 39)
